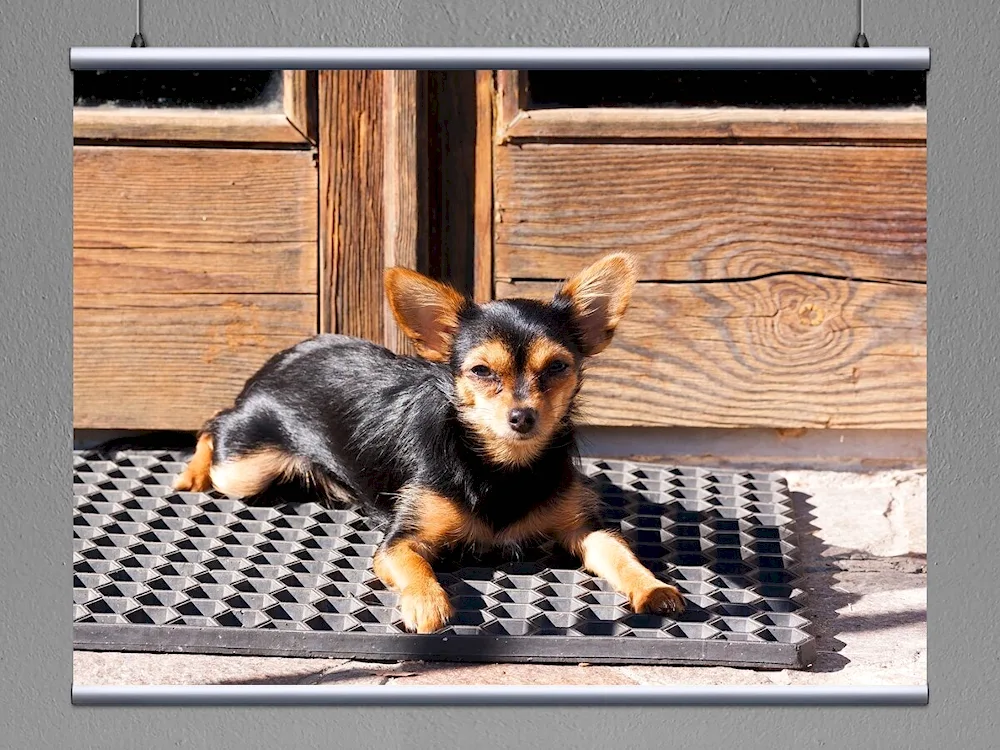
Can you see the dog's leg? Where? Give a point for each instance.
(425, 524)
(423, 603)
(607, 555)
(195, 477)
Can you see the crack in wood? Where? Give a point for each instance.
(741, 279)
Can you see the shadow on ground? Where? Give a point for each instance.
(823, 598)
(823, 569)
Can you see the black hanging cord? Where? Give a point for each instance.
(138, 40)
(861, 40)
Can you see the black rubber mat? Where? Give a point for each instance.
(160, 570)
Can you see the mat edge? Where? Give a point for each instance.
(533, 649)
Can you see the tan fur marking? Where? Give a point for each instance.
(500, 449)
(600, 295)
(441, 522)
(196, 477)
(542, 352)
(497, 357)
(513, 452)
(426, 311)
(251, 474)
(486, 405)
(466, 393)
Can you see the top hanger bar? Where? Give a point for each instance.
(500, 58)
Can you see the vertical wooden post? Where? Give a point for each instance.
(350, 174)
(370, 197)
(401, 187)
(482, 274)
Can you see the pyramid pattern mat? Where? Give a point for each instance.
(166, 571)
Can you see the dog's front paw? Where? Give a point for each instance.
(425, 608)
(662, 599)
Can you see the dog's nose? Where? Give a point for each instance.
(522, 420)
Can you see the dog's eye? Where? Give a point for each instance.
(556, 367)
(481, 371)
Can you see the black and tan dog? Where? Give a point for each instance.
(471, 443)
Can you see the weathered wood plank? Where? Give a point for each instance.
(298, 92)
(482, 274)
(788, 351)
(166, 126)
(903, 127)
(351, 163)
(711, 212)
(202, 267)
(510, 98)
(401, 235)
(166, 197)
(372, 207)
(169, 361)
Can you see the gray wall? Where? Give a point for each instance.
(35, 352)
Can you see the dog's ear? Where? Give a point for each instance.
(426, 310)
(599, 296)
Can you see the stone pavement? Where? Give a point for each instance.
(864, 548)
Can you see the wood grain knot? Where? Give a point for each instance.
(791, 322)
(810, 315)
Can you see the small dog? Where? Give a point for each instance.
(469, 444)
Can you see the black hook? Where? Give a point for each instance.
(138, 40)
(861, 40)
